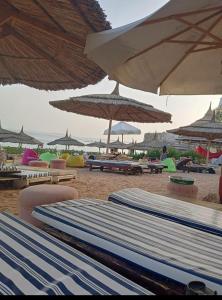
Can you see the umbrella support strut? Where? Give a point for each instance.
(108, 138)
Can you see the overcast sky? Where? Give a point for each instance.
(21, 105)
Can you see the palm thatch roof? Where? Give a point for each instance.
(204, 128)
(5, 133)
(66, 141)
(117, 145)
(113, 107)
(99, 144)
(42, 42)
(21, 138)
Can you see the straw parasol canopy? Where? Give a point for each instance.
(21, 138)
(42, 43)
(99, 145)
(112, 107)
(209, 129)
(66, 141)
(123, 128)
(5, 133)
(174, 51)
(118, 145)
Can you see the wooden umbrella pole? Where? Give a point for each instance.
(122, 142)
(108, 138)
(208, 152)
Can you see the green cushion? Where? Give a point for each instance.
(169, 163)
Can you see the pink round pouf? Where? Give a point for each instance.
(39, 164)
(58, 164)
(40, 195)
(183, 190)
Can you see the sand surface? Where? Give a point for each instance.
(99, 185)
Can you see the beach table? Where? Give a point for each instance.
(127, 167)
(189, 214)
(169, 251)
(35, 263)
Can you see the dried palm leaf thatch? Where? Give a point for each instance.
(21, 138)
(66, 141)
(42, 43)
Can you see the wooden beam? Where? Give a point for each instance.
(54, 63)
(206, 32)
(190, 50)
(193, 42)
(207, 49)
(174, 35)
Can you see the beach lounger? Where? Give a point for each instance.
(192, 215)
(128, 167)
(35, 263)
(154, 245)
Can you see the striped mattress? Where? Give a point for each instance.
(196, 216)
(34, 263)
(158, 246)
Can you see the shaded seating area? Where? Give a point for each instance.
(35, 263)
(155, 246)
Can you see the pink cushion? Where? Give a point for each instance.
(58, 164)
(28, 155)
(42, 194)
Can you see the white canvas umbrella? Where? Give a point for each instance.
(123, 128)
(177, 50)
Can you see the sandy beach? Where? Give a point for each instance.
(99, 185)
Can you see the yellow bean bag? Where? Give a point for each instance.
(76, 161)
(64, 156)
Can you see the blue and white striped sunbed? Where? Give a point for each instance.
(34, 263)
(192, 215)
(168, 249)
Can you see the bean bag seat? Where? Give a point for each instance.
(183, 190)
(42, 194)
(75, 161)
(47, 156)
(39, 164)
(169, 163)
(64, 156)
(58, 164)
(29, 155)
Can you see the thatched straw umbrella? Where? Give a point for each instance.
(66, 141)
(113, 107)
(5, 133)
(42, 43)
(204, 128)
(118, 145)
(21, 138)
(99, 145)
